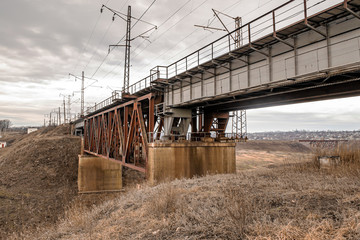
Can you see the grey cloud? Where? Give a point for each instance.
(263, 120)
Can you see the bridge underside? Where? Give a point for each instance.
(315, 58)
(324, 87)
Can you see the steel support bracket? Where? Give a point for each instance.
(205, 70)
(314, 29)
(237, 57)
(193, 76)
(178, 78)
(158, 89)
(221, 64)
(257, 50)
(349, 10)
(283, 41)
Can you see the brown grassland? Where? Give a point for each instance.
(278, 192)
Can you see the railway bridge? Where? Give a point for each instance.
(173, 122)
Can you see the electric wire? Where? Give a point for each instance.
(138, 19)
(89, 39)
(209, 23)
(164, 22)
(100, 42)
(87, 43)
(107, 74)
(258, 31)
(254, 34)
(166, 31)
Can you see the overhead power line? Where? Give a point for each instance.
(88, 41)
(162, 34)
(164, 22)
(100, 42)
(137, 20)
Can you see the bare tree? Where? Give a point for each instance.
(4, 124)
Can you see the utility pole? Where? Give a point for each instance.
(238, 24)
(82, 95)
(127, 51)
(45, 117)
(82, 92)
(68, 108)
(238, 33)
(50, 120)
(64, 110)
(128, 40)
(239, 122)
(64, 106)
(59, 117)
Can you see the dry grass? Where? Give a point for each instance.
(349, 159)
(293, 201)
(282, 203)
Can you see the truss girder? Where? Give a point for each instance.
(121, 133)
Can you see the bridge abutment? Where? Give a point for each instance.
(96, 174)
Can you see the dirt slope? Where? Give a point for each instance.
(38, 178)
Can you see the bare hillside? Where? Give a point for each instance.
(38, 178)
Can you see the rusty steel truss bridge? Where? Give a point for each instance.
(299, 52)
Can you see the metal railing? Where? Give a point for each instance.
(116, 95)
(280, 17)
(143, 83)
(196, 137)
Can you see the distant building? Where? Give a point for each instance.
(2, 144)
(30, 130)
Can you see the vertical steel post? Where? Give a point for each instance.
(59, 117)
(305, 12)
(151, 115)
(238, 33)
(127, 51)
(64, 110)
(68, 108)
(328, 46)
(82, 95)
(239, 124)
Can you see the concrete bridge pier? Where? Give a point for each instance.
(168, 161)
(177, 122)
(96, 174)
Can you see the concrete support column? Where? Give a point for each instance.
(184, 115)
(169, 161)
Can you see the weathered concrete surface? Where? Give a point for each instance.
(98, 174)
(169, 161)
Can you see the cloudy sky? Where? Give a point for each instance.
(42, 41)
